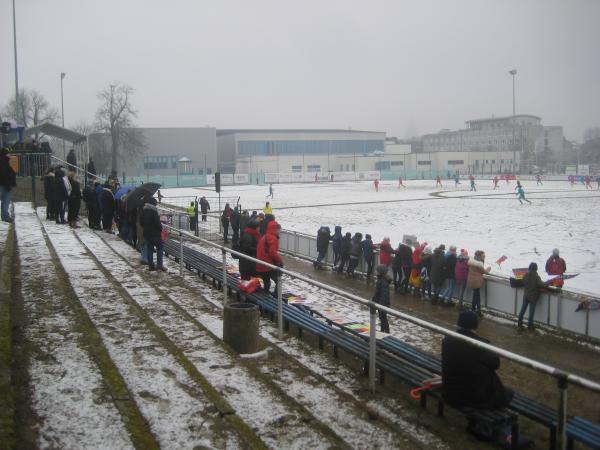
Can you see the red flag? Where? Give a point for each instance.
(501, 259)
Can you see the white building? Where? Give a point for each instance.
(524, 135)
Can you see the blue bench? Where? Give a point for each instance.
(387, 362)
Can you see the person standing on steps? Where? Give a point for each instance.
(248, 245)
(8, 180)
(49, 194)
(71, 161)
(345, 251)
(236, 217)
(107, 200)
(268, 251)
(382, 295)
(60, 195)
(532, 284)
(225, 221)
(152, 228)
(74, 202)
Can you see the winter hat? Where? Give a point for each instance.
(555, 252)
(348, 234)
(427, 251)
(533, 267)
(452, 249)
(467, 320)
(367, 236)
(381, 269)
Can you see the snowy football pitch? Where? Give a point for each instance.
(491, 220)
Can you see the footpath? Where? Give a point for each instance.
(105, 354)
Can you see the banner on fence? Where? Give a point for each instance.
(369, 175)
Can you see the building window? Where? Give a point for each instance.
(397, 163)
(160, 162)
(424, 163)
(493, 161)
(382, 165)
(456, 162)
(347, 167)
(313, 168)
(296, 168)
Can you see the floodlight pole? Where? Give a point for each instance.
(16, 68)
(513, 72)
(62, 108)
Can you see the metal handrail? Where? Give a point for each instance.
(550, 370)
(563, 378)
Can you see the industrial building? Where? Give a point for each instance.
(264, 151)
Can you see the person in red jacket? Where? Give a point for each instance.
(556, 266)
(386, 251)
(268, 251)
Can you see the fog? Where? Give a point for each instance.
(402, 67)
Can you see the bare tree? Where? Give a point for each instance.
(115, 116)
(33, 109)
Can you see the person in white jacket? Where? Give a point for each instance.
(475, 278)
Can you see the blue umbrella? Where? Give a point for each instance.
(123, 190)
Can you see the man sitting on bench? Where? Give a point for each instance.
(469, 376)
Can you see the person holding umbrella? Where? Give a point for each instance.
(150, 221)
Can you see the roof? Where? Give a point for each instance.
(50, 129)
(233, 131)
(491, 119)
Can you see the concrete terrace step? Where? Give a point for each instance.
(338, 411)
(67, 393)
(277, 421)
(177, 410)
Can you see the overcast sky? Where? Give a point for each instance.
(402, 67)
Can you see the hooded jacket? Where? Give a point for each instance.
(356, 246)
(461, 269)
(336, 240)
(532, 284)
(438, 268)
(268, 248)
(323, 238)
(367, 248)
(150, 221)
(346, 245)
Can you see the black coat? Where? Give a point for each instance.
(346, 246)
(450, 266)
(75, 191)
(60, 191)
(8, 177)
(72, 159)
(89, 197)
(107, 200)
(532, 284)
(248, 243)
(405, 254)
(49, 188)
(356, 247)
(235, 220)
(438, 268)
(323, 238)
(150, 221)
(382, 291)
(204, 206)
(367, 248)
(336, 240)
(469, 375)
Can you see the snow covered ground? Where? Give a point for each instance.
(492, 220)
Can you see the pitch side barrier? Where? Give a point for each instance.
(562, 378)
(555, 309)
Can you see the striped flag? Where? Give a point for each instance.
(501, 259)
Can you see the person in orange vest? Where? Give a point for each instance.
(556, 266)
